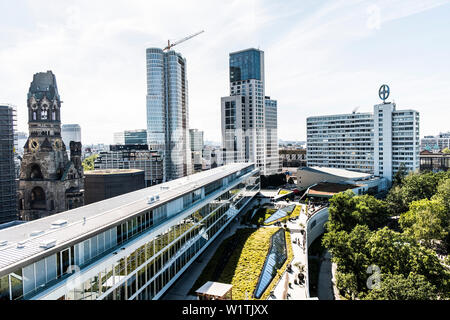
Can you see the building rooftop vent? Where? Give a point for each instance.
(36, 233)
(47, 243)
(21, 244)
(59, 223)
(152, 199)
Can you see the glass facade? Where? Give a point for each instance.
(168, 238)
(167, 110)
(245, 65)
(135, 137)
(70, 132)
(247, 122)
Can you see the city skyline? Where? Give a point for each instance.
(102, 73)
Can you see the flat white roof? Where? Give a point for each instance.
(98, 215)
(214, 288)
(348, 174)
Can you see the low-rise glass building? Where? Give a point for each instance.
(130, 247)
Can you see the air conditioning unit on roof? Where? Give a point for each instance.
(59, 223)
(48, 243)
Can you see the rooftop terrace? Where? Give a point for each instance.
(25, 241)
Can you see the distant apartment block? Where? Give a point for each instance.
(196, 145)
(70, 132)
(196, 139)
(131, 137)
(21, 140)
(135, 136)
(341, 141)
(271, 125)
(119, 137)
(133, 157)
(292, 157)
(435, 143)
(378, 143)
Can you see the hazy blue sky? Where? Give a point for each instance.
(321, 57)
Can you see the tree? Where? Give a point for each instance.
(426, 220)
(347, 210)
(349, 251)
(88, 163)
(443, 193)
(446, 150)
(415, 186)
(399, 287)
(397, 179)
(390, 251)
(398, 253)
(370, 211)
(393, 252)
(347, 284)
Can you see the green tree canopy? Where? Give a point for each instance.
(397, 179)
(426, 220)
(415, 186)
(88, 163)
(393, 252)
(443, 193)
(347, 210)
(399, 287)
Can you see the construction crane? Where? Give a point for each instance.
(170, 45)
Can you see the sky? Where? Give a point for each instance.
(321, 57)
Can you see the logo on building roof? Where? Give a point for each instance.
(383, 92)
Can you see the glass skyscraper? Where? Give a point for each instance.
(246, 124)
(167, 111)
(70, 132)
(246, 65)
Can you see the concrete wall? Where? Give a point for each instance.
(104, 186)
(315, 226)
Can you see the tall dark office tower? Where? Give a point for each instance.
(167, 111)
(248, 126)
(8, 189)
(49, 182)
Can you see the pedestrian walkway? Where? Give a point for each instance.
(325, 283)
(294, 291)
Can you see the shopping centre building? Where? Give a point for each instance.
(133, 246)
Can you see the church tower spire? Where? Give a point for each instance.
(49, 181)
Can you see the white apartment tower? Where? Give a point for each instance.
(244, 115)
(379, 142)
(396, 140)
(341, 141)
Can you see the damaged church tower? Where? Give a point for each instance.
(49, 181)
